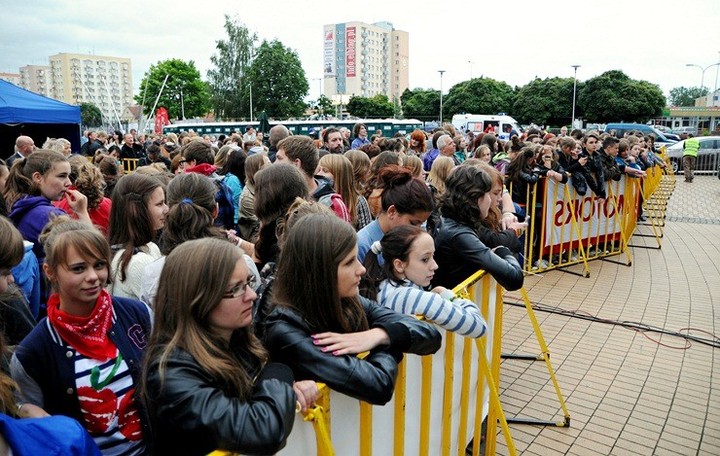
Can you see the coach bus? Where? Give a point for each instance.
(389, 127)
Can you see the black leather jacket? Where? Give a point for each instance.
(459, 254)
(372, 379)
(192, 415)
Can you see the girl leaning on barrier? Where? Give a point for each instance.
(206, 381)
(319, 322)
(405, 276)
(459, 251)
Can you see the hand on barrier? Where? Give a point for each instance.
(307, 393)
(351, 343)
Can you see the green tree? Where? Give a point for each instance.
(90, 115)
(184, 90)
(278, 81)
(378, 106)
(322, 105)
(545, 102)
(478, 96)
(421, 104)
(613, 96)
(231, 62)
(685, 96)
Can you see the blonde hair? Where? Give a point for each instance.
(414, 164)
(342, 171)
(439, 172)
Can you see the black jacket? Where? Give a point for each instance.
(191, 414)
(459, 254)
(494, 238)
(595, 173)
(372, 379)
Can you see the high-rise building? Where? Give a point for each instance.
(36, 78)
(12, 78)
(103, 81)
(365, 60)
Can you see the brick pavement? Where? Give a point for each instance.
(627, 392)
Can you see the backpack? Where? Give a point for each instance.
(336, 204)
(224, 199)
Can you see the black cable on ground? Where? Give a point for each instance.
(640, 327)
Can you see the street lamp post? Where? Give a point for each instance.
(441, 96)
(702, 76)
(572, 124)
(251, 110)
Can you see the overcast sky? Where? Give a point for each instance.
(508, 41)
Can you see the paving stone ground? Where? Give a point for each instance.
(629, 392)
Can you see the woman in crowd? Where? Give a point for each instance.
(338, 169)
(33, 184)
(570, 160)
(277, 187)
(16, 316)
(417, 143)
(404, 200)
(88, 180)
(248, 224)
(408, 270)
(360, 134)
(111, 171)
(361, 168)
(208, 385)
(483, 153)
(520, 177)
(414, 164)
(83, 360)
(439, 172)
(373, 189)
(459, 251)
(230, 163)
(192, 210)
(500, 227)
(317, 329)
(138, 214)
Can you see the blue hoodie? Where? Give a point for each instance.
(30, 215)
(27, 277)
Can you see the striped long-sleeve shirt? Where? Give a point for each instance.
(459, 315)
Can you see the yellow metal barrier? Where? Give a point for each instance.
(423, 422)
(129, 165)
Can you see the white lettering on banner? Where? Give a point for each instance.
(350, 52)
(329, 60)
(594, 217)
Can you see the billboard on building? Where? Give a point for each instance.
(350, 52)
(329, 54)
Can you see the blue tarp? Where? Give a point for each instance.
(19, 106)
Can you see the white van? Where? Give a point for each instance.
(478, 123)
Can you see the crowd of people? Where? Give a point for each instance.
(194, 303)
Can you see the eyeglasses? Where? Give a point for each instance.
(241, 288)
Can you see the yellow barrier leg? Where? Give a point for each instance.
(400, 398)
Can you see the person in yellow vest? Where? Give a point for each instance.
(690, 152)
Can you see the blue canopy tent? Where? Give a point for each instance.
(26, 113)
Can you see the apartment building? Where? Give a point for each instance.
(36, 78)
(103, 81)
(12, 78)
(365, 60)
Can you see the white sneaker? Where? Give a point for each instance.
(540, 264)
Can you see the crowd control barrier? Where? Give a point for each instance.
(439, 404)
(129, 165)
(567, 228)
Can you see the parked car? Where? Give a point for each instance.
(622, 128)
(708, 159)
(667, 132)
(686, 130)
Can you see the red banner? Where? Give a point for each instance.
(350, 52)
(161, 119)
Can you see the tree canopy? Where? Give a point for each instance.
(231, 62)
(183, 87)
(545, 102)
(278, 80)
(369, 107)
(613, 96)
(421, 104)
(90, 115)
(685, 96)
(478, 96)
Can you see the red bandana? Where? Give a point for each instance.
(87, 335)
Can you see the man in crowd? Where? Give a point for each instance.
(446, 146)
(690, 153)
(24, 146)
(300, 151)
(277, 134)
(130, 149)
(88, 149)
(332, 141)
